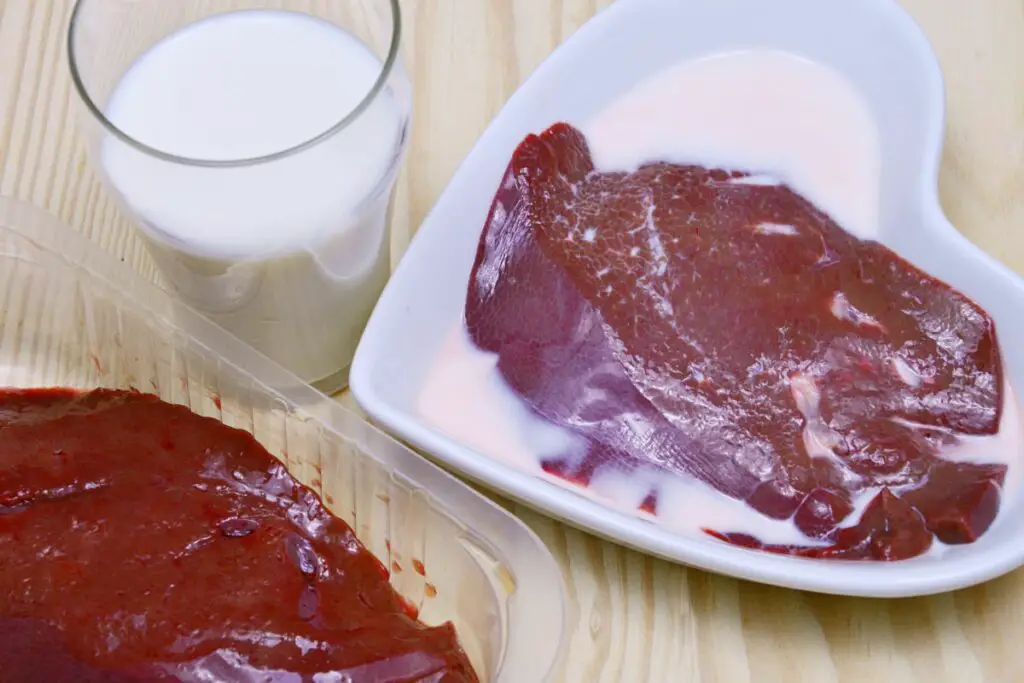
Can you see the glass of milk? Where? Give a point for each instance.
(256, 145)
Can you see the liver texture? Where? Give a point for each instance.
(142, 542)
(700, 322)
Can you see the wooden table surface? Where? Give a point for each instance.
(634, 619)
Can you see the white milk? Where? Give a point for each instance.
(787, 118)
(291, 254)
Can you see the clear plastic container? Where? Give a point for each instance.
(73, 316)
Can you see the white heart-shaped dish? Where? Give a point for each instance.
(885, 56)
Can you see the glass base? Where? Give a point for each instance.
(333, 385)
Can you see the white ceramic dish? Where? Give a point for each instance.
(880, 49)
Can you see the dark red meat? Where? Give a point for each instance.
(696, 322)
(141, 542)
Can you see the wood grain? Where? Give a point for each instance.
(634, 619)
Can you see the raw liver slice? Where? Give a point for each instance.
(141, 542)
(703, 322)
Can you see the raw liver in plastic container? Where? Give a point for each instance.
(75, 317)
(192, 549)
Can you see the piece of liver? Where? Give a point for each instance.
(142, 542)
(705, 323)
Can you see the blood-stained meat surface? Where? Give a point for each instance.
(707, 323)
(141, 542)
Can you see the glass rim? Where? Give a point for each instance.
(83, 92)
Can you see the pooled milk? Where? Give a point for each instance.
(290, 254)
(789, 119)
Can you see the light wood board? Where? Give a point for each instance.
(634, 619)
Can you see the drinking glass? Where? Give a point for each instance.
(288, 247)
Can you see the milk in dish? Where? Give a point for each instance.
(791, 119)
(787, 121)
(290, 254)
